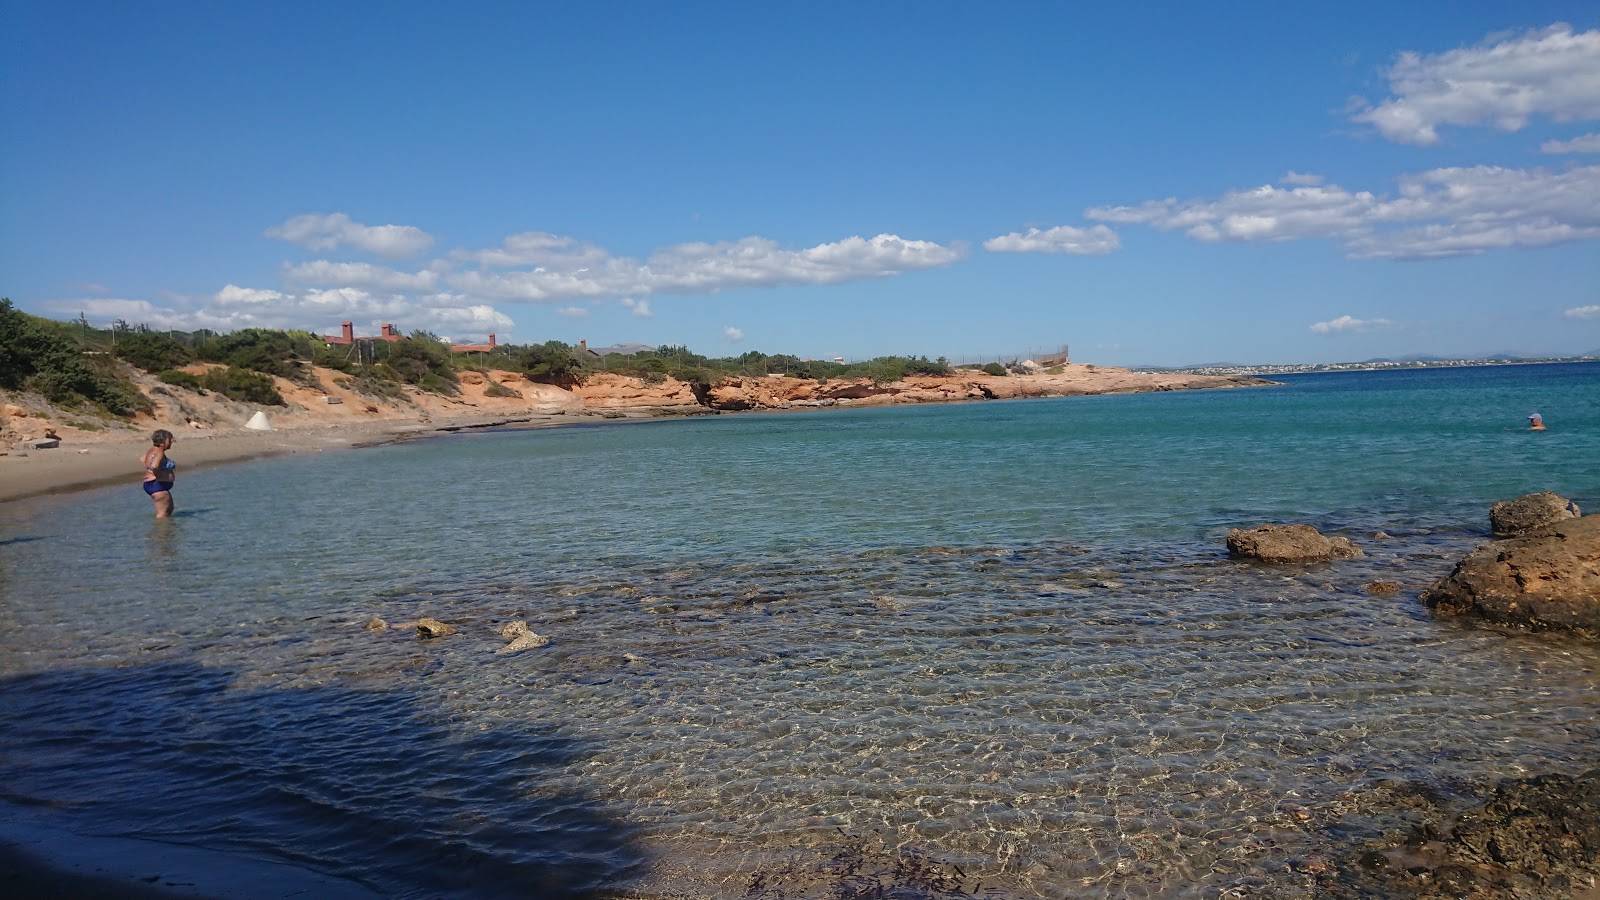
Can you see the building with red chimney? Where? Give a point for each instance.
(349, 334)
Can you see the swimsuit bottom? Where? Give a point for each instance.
(155, 487)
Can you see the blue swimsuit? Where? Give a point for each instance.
(157, 486)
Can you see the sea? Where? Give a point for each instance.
(986, 649)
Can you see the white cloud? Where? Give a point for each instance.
(1096, 240)
(1301, 178)
(352, 274)
(707, 268)
(1589, 143)
(759, 262)
(318, 232)
(1350, 324)
(320, 294)
(540, 248)
(320, 311)
(1443, 212)
(733, 334)
(102, 311)
(1583, 312)
(1552, 72)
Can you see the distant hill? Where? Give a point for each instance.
(624, 349)
(1414, 357)
(1185, 368)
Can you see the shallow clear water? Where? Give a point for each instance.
(1000, 637)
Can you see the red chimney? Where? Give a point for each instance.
(491, 340)
(349, 331)
(583, 344)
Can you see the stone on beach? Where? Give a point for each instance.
(1547, 578)
(521, 638)
(1289, 544)
(1530, 511)
(432, 628)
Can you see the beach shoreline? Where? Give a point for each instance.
(210, 430)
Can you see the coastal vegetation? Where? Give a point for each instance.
(41, 356)
(75, 365)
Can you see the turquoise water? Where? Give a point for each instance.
(1002, 638)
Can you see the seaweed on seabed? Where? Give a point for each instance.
(864, 869)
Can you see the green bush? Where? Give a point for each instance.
(422, 360)
(492, 388)
(181, 379)
(550, 363)
(370, 383)
(242, 385)
(152, 351)
(256, 349)
(35, 355)
(993, 368)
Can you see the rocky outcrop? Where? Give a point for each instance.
(1530, 511)
(1289, 544)
(1547, 578)
(607, 391)
(784, 392)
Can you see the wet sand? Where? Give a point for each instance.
(80, 463)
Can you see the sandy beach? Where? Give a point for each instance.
(83, 462)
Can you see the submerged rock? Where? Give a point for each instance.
(1547, 578)
(521, 638)
(432, 628)
(376, 624)
(1289, 544)
(1530, 511)
(1535, 837)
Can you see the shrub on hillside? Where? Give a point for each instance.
(993, 368)
(35, 356)
(424, 361)
(152, 351)
(492, 388)
(370, 383)
(181, 379)
(256, 349)
(243, 385)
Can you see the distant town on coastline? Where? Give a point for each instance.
(1409, 362)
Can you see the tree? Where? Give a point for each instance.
(550, 363)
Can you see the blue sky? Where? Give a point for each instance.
(1158, 183)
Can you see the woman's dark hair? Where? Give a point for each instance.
(160, 437)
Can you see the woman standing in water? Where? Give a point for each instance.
(160, 472)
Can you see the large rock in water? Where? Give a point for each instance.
(1548, 578)
(1289, 544)
(1530, 511)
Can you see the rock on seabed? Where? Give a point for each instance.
(1530, 511)
(1547, 578)
(1289, 544)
